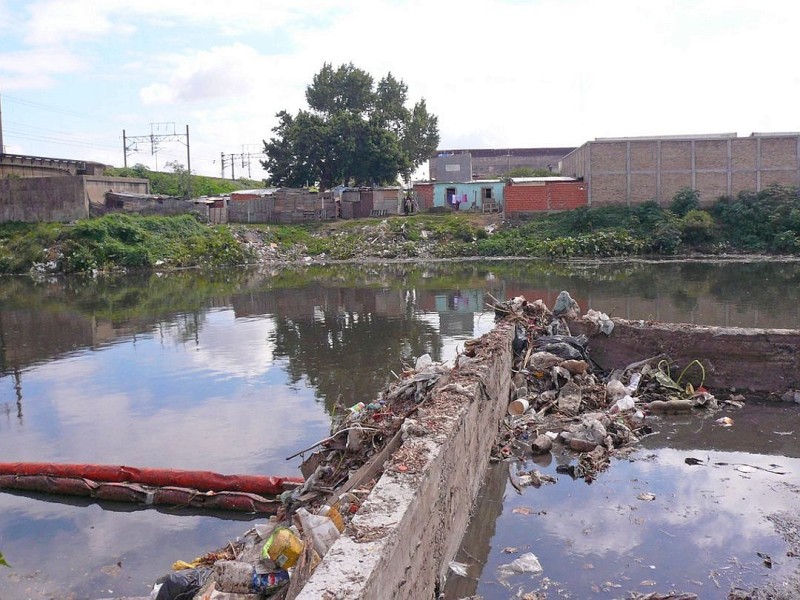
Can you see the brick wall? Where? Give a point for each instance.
(545, 196)
(424, 195)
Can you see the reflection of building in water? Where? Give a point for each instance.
(457, 310)
(456, 323)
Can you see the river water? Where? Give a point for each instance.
(235, 370)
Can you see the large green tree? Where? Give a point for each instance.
(354, 133)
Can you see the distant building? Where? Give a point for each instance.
(469, 164)
(633, 170)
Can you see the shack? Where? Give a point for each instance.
(279, 205)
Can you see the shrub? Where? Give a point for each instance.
(786, 242)
(685, 200)
(697, 228)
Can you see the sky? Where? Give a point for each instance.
(498, 73)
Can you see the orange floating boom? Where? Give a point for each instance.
(198, 480)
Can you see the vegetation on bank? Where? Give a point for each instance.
(115, 242)
(179, 183)
(767, 222)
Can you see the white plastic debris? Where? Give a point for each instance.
(527, 563)
(601, 319)
(616, 389)
(423, 362)
(459, 568)
(624, 403)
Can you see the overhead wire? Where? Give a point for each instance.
(48, 107)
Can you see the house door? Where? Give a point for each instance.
(448, 196)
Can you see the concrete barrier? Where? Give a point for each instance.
(758, 360)
(410, 527)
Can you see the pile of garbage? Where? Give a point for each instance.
(276, 558)
(560, 396)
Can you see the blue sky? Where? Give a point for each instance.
(498, 73)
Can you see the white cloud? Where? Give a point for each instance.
(36, 66)
(201, 75)
(497, 73)
(60, 21)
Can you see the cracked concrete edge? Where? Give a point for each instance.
(411, 524)
(763, 361)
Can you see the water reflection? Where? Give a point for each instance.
(702, 533)
(233, 371)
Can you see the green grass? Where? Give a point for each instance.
(116, 242)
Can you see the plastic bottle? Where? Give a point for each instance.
(321, 529)
(347, 503)
(332, 512)
(269, 582)
(242, 578)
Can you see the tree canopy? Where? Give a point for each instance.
(354, 133)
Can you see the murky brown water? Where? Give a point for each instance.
(234, 371)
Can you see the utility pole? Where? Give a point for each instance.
(188, 166)
(244, 156)
(2, 148)
(131, 143)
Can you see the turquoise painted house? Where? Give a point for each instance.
(483, 195)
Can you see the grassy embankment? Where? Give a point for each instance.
(178, 181)
(767, 222)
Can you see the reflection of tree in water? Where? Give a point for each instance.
(348, 355)
(763, 284)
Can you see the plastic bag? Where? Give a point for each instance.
(322, 530)
(183, 585)
(527, 563)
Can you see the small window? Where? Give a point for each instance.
(486, 193)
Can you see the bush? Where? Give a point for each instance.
(684, 201)
(786, 242)
(698, 228)
(751, 221)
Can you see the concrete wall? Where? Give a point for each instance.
(410, 527)
(488, 163)
(451, 167)
(759, 360)
(42, 199)
(64, 198)
(39, 166)
(97, 186)
(634, 170)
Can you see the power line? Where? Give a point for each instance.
(245, 157)
(35, 137)
(50, 108)
(131, 143)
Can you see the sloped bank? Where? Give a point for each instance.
(409, 528)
